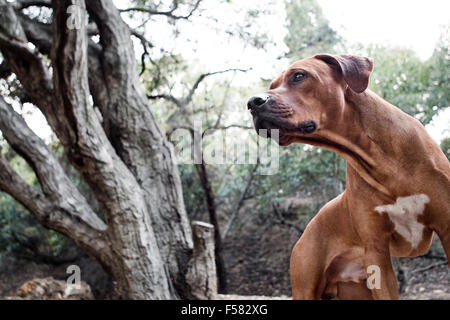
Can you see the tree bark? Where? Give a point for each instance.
(139, 141)
(145, 242)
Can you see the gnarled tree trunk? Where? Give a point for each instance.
(94, 102)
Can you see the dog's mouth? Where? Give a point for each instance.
(286, 130)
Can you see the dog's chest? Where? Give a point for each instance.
(404, 213)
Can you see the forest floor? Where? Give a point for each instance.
(256, 254)
(14, 273)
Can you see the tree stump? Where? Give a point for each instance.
(202, 273)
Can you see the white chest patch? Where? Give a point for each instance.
(404, 214)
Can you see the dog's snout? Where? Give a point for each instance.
(256, 101)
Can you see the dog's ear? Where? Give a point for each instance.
(355, 70)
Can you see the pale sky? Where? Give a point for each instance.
(414, 24)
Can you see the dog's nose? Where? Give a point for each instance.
(256, 101)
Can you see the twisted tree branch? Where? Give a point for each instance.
(51, 215)
(61, 207)
(54, 182)
(139, 141)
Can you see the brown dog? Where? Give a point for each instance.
(397, 184)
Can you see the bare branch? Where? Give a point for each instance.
(29, 197)
(145, 44)
(184, 102)
(167, 97)
(142, 38)
(169, 13)
(30, 67)
(93, 30)
(431, 266)
(202, 77)
(241, 200)
(282, 221)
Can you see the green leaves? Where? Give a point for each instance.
(308, 30)
(445, 146)
(20, 232)
(418, 88)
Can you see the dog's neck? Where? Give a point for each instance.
(376, 137)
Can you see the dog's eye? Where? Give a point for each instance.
(298, 77)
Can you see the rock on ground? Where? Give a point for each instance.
(51, 289)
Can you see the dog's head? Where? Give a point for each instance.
(309, 96)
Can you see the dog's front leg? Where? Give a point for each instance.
(307, 266)
(382, 280)
(316, 248)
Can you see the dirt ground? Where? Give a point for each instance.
(14, 273)
(256, 254)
